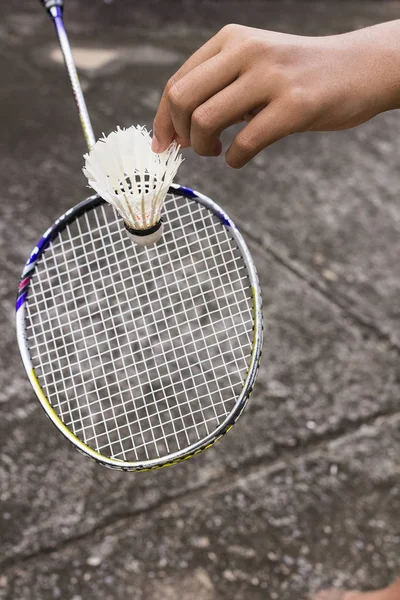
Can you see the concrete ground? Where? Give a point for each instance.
(305, 491)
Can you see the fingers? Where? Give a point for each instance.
(231, 105)
(219, 86)
(182, 142)
(195, 88)
(163, 127)
(268, 126)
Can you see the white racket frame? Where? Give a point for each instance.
(255, 358)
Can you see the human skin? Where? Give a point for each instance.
(392, 592)
(277, 84)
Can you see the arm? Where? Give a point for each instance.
(280, 84)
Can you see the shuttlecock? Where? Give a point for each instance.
(124, 170)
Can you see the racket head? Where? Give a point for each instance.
(203, 244)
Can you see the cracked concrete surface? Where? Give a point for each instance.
(304, 492)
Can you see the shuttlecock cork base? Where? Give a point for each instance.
(124, 170)
(146, 237)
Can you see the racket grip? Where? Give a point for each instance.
(49, 4)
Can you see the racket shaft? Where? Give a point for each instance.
(56, 13)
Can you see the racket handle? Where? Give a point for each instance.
(49, 4)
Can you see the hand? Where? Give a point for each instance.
(280, 84)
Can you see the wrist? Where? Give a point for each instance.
(380, 50)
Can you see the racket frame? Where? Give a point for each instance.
(194, 449)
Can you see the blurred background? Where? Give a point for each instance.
(304, 492)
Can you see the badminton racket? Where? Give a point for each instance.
(141, 356)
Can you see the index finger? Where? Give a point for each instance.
(163, 128)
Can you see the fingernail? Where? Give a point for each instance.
(156, 145)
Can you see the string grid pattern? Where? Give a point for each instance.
(142, 351)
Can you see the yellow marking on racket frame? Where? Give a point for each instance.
(50, 410)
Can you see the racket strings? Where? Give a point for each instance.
(140, 361)
(141, 351)
(69, 344)
(113, 244)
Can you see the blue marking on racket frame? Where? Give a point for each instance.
(188, 192)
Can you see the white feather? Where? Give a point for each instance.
(123, 169)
